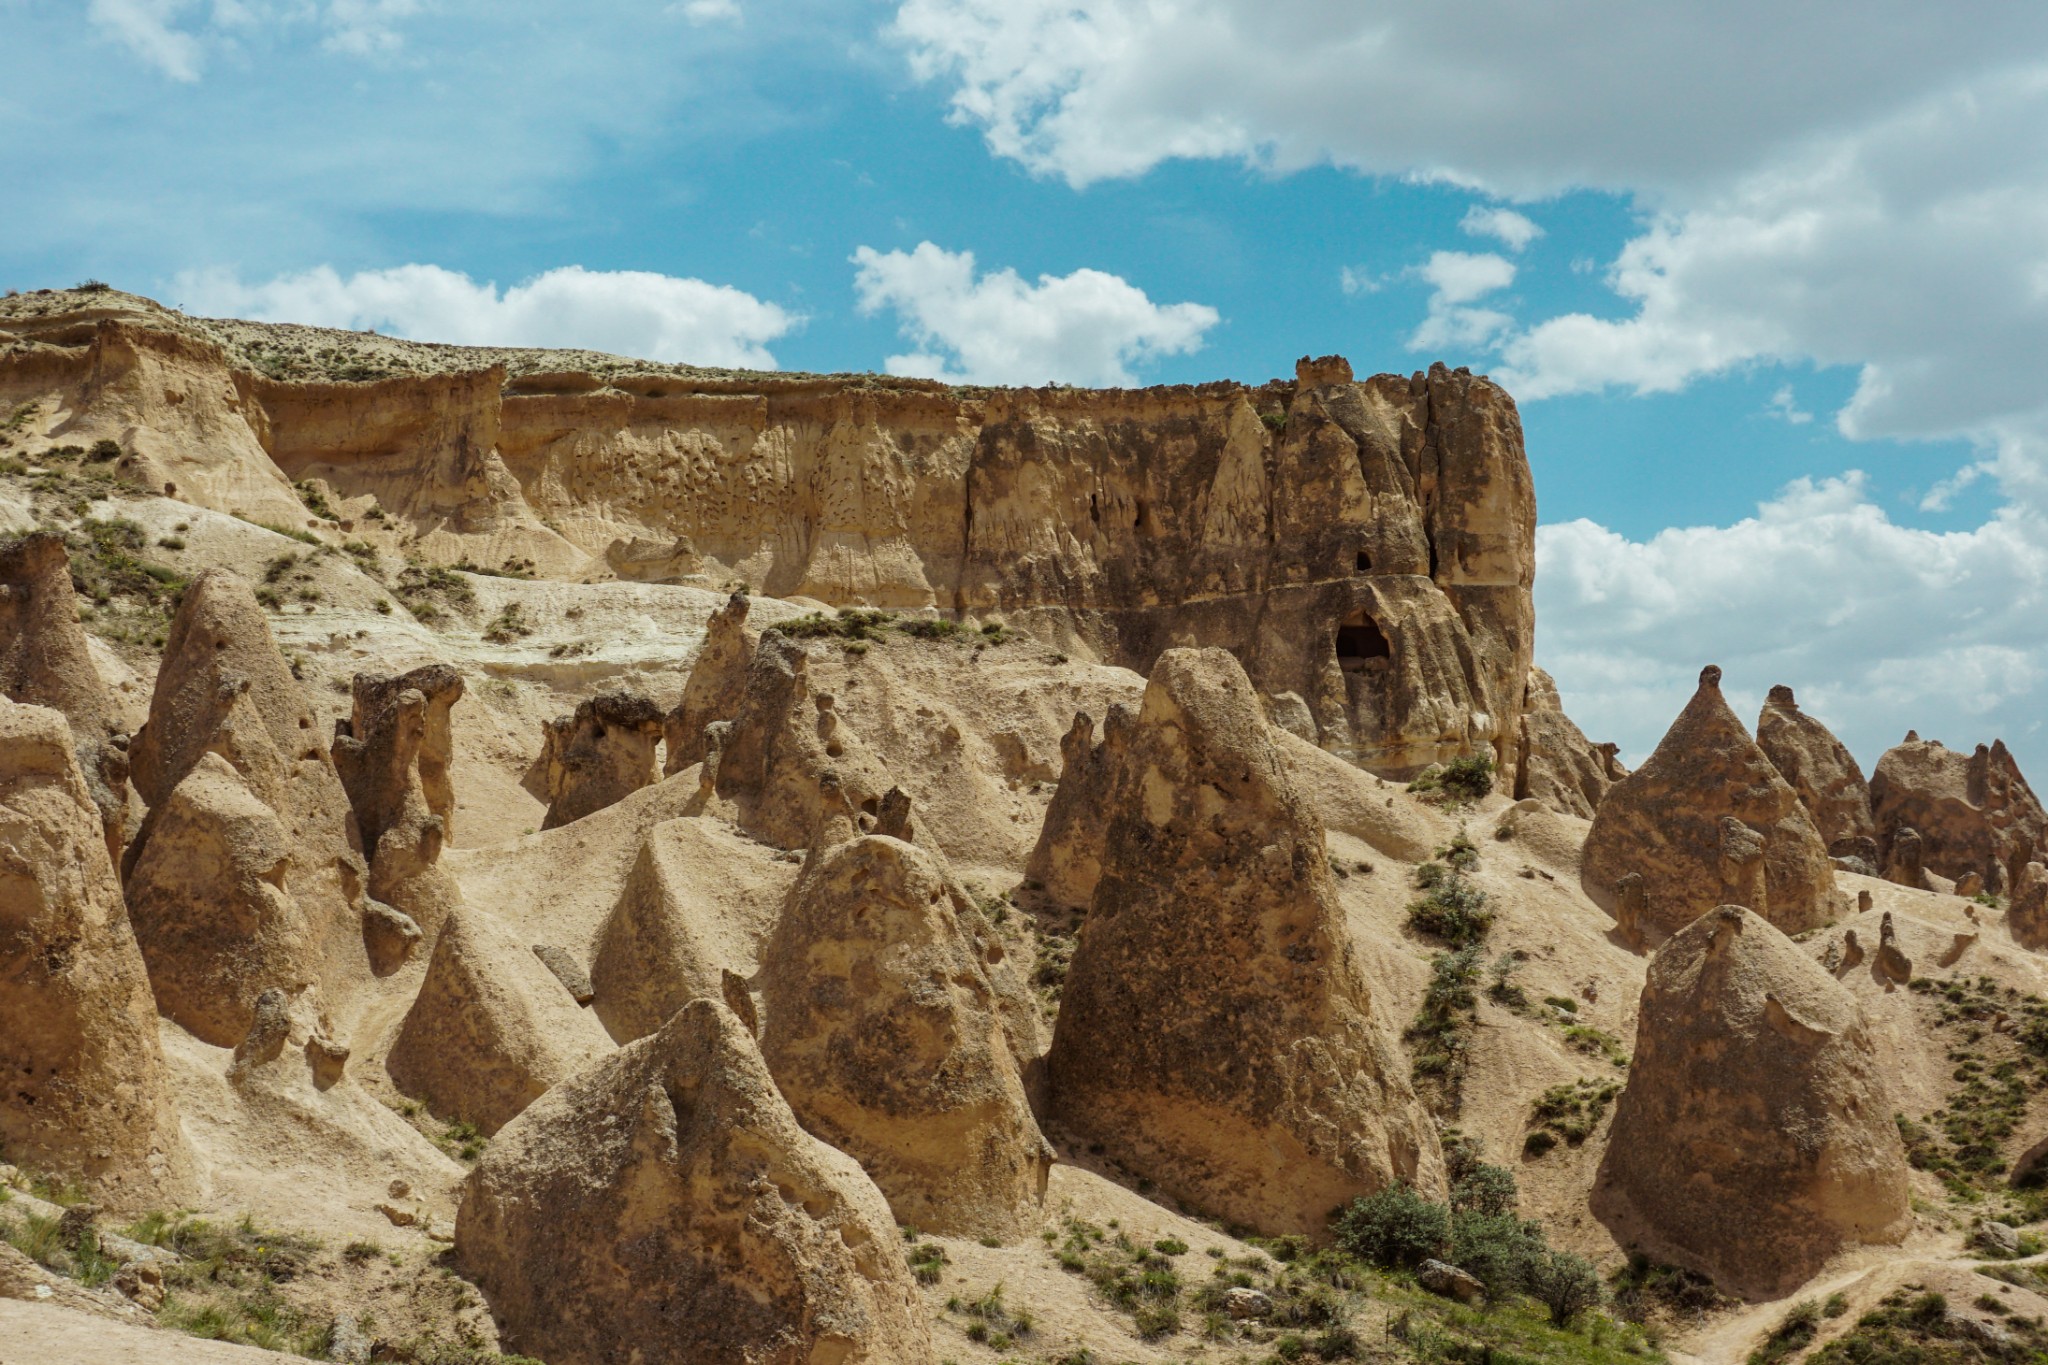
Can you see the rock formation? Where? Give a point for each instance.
(1823, 772)
(1907, 863)
(1067, 860)
(393, 755)
(716, 683)
(1974, 812)
(46, 661)
(665, 1207)
(1558, 765)
(596, 756)
(2027, 917)
(1755, 1137)
(86, 1096)
(1216, 1033)
(897, 1033)
(262, 845)
(492, 1028)
(1665, 822)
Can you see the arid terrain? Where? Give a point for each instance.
(531, 854)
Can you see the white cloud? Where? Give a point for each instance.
(628, 312)
(1456, 279)
(1511, 229)
(1878, 627)
(1085, 328)
(363, 28)
(145, 28)
(710, 11)
(1355, 282)
(1784, 406)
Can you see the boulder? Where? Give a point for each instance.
(45, 660)
(596, 756)
(1216, 1031)
(1818, 767)
(716, 682)
(224, 690)
(1440, 1277)
(491, 1030)
(1559, 766)
(1755, 1137)
(392, 755)
(2027, 914)
(1974, 812)
(1666, 822)
(896, 1029)
(86, 1095)
(665, 1207)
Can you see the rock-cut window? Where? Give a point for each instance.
(1360, 639)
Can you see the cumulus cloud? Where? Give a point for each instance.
(1456, 280)
(1784, 406)
(1085, 328)
(1513, 230)
(1879, 627)
(627, 312)
(147, 29)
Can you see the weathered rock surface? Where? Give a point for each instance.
(665, 1207)
(392, 755)
(1974, 812)
(492, 1028)
(596, 756)
(45, 661)
(267, 833)
(695, 906)
(86, 1096)
(1558, 765)
(1665, 822)
(1216, 1033)
(898, 1033)
(1755, 1137)
(1824, 773)
(715, 686)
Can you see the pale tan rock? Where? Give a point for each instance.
(716, 683)
(224, 696)
(665, 1207)
(1906, 864)
(597, 756)
(1755, 1137)
(654, 561)
(393, 755)
(697, 904)
(1558, 765)
(1216, 1032)
(2027, 915)
(491, 1029)
(45, 660)
(1824, 773)
(86, 1094)
(897, 1031)
(1665, 822)
(1974, 812)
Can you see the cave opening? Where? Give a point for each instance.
(1364, 562)
(1360, 640)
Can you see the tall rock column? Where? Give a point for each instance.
(1817, 765)
(1216, 1032)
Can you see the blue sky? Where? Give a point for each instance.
(1771, 287)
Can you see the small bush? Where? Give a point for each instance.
(1394, 1227)
(1564, 1283)
(1454, 911)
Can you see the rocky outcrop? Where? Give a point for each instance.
(1974, 812)
(253, 876)
(392, 754)
(596, 756)
(492, 1028)
(86, 1095)
(897, 1032)
(46, 661)
(1216, 1033)
(1816, 765)
(2027, 916)
(665, 1207)
(1755, 1138)
(1558, 765)
(716, 683)
(1067, 860)
(1667, 822)
(1364, 546)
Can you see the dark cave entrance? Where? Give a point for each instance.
(1360, 640)
(1364, 562)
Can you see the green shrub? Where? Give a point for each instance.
(1564, 1283)
(1394, 1227)
(1454, 911)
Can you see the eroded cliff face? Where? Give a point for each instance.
(1365, 548)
